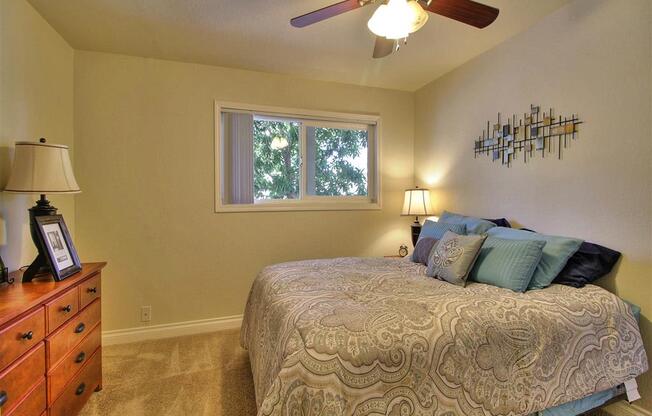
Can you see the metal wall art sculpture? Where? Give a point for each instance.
(534, 134)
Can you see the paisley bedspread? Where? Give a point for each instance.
(370, 336)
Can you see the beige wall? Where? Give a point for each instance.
(144, 143)
(36, 100)
(591, 57)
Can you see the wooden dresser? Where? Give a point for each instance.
(50, 344)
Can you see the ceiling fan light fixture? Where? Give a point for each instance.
(397, 19)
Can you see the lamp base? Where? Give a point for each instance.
(40, 264)
(416, 230)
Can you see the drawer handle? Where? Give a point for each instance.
(67, 309)
(81, 357)
(3, 398)
(92, 290)
(80, 328)
(80, 389)
(28, 335)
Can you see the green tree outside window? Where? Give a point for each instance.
(340, 157)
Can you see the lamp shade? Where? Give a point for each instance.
(42, 168)
(417, 202)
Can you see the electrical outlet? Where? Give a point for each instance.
(145, 313)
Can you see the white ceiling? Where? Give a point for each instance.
(256, 35)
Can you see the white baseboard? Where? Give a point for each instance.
(622, 408)
(125, 336)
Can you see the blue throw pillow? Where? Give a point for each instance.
(473, 225)
(437, 229)
(509, 264)
(556, 253)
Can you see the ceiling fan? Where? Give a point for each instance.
(396, 19)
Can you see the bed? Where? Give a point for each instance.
(373, 336)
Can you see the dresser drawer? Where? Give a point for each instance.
(17, 380)
(34, 403)
(59, 376)
(19, 337)
(70, 334)
(61, 309)
(89, 291)
(80, 388)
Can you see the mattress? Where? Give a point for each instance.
(368, 336)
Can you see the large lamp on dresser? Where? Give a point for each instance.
(41, 168)
(416, 202)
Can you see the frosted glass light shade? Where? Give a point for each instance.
(42, 168)
(397, 19)
(417, 202)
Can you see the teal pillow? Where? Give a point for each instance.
(437, 229)
(556, 253)
(473, 225)
(509, 264)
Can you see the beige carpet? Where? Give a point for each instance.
(199, 375)
(195, 375)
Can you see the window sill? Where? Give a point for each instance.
(299, 206)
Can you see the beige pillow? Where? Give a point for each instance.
(453, 257)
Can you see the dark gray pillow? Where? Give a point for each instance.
(588, 264)
(422, 250)
(501, 222)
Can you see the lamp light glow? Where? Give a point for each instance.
(397, 19)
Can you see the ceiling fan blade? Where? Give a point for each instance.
(465, 11)
(383, 47)
(326, 12)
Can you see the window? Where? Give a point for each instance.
(279, 159)
(276, 159)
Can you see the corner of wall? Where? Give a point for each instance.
(36, 71)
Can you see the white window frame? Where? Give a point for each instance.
(305, 202)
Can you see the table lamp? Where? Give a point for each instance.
(41, 168)
(416, 202)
